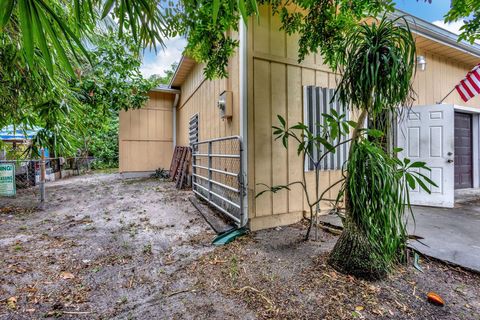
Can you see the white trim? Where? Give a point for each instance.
(165, 90)
(475, 150)
(174, 117)
(243, 99)
(176, 71)
(466, 109)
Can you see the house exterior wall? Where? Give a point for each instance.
(200, 95)
(441, 76)
(275, 86)
(146, 135)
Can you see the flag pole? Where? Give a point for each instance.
(446, 96)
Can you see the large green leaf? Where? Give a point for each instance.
(107, 8)
(25, 19)
(41, 39)
(216, 8)
(6, 9)
(59, 50)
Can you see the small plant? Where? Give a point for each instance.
(122, 300)
(313, 148)
(90, 228)
(125, 245)
(132, 229)
(147, 249)
(96, 269)
(234, 271)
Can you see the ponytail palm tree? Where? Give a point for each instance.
(378, 67)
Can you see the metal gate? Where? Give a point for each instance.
(217, 175)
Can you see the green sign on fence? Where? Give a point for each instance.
(7, 179)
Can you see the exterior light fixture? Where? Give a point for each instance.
(421, 63)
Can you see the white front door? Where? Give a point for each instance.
(426, 133)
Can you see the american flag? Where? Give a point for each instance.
(470, 86)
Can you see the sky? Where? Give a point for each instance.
(157, 63)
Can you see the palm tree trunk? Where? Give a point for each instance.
(355, 136)
(352, 253)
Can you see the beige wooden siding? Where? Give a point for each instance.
(146, 135)
(275, 81)
(441, 75)
(200, 96)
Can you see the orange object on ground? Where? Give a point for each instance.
(435, 299)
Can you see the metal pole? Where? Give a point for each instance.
(241, 186)
(209, 171)
(243, 93)
(42, 176)
(446, 96)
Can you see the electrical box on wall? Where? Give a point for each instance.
(225, 104)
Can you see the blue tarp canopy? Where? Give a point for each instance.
(17, 133)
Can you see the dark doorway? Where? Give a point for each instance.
(463, 151)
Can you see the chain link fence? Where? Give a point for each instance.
(27, 171)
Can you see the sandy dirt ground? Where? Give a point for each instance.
(104, 247)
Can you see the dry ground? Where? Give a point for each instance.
(110, 248)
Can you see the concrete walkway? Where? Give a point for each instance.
(451, 235)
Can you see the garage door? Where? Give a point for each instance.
(463, 151)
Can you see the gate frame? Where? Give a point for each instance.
(243, 219)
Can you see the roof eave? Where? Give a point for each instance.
(176, 71)
(435, 33)
(165, 90)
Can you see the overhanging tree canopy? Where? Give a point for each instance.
(56, 27)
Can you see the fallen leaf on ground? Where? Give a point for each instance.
(359, 308)
(66, 275)
(12, 302)
(217, 261)
(31, 289)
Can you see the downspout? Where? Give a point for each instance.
(174, 113)
(243, 101)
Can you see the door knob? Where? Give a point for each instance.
(449, 160)
(449, 153)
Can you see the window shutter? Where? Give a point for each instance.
(193, 129)
(317, 101)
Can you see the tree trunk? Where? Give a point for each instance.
(353, 255)
(355, 136)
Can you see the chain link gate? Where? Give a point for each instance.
(217, 175)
